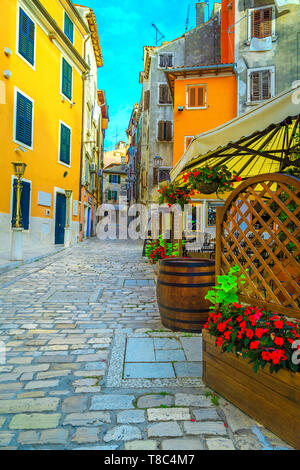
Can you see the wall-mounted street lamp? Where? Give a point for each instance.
(16, 253)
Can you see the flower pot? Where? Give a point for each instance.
(206, 188)
(271, 399)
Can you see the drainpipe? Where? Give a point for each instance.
(82, 127)
(237, 90)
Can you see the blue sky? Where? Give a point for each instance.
(124, 28)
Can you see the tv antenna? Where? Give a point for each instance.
(158, 35)
(187, 18)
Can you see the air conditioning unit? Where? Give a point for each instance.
(93, 167)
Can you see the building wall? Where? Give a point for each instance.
(150, 144)
(221, 107)
(43, 169)
(227, 31)
(285, 53)
(202, 44)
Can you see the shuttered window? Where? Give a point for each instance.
(164, 94)
(65, 145)
(112, 195)
(164, 131)
(260, 85)
(69, 28)
(24, 204)
(196, 96)
(114, 179)
(155, 176)
(166, 60)
(26, 37)
(24, 120)
(66, 79)
(261, 23)
(146, 100)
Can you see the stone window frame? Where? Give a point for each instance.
(260, 69)
(165, 53)
(249, 20)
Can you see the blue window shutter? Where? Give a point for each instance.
(69, 28)
(24, 206)
(24, 120)
(26, 37)
(65, 144)
(67, 79)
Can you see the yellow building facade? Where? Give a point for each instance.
(41, 82)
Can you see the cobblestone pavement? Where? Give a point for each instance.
(68, 323)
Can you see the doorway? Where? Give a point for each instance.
(60, 219)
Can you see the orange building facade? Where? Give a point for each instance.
(204, 98)
(227, 31)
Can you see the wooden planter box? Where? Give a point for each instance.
(271, 399)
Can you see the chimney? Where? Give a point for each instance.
(200, 9)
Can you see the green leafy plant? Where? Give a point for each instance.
(214, 398)
(156, 250)
(225, 292)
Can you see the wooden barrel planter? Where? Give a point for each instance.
(182, 284)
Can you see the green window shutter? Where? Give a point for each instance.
(24, 118)
(119, 179)
(109, 194)
(26, 37)
(66, 79)
(109, 178)
(69, 28)
(65, 144)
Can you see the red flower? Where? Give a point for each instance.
(219, 342)
(278, 324)
(254, 344)
(279, 341)
(249, 334)
(259, 332)
(236, 305)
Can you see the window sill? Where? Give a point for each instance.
(248, 42)
(256, 103)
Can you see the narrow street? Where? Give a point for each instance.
(89, 366)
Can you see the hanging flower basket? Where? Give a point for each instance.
(209, 180)
(173, 194)
(206, 188)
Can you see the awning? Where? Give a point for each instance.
(262, 140)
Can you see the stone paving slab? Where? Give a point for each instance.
(65, 321)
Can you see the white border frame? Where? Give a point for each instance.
(16, 90)
(13, 177)
(61, 79)
(61, 191)
(187, 96)
(20, 5)
(59, 137)
(63, 26)
(258, 69)
(165, 53)
(163, 104)
(185, 139)
(249, 13)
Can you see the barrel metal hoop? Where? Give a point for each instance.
(183, 310)
(195, 322)
(171, 273)
(192, 264)
(173, 284)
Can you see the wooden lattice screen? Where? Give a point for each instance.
(259, 228)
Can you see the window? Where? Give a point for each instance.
(164, 94)
(187, 140)
(112, 195)
(24, 206)
(26, 37)
(164, 131)
(65, 144)
(24, 119)
(261, 22)
(146, 100)
(196, 96)
(66, 86)
(212, 213)
(163, 173)
(166, 60)
(260, 84)
(69, 28)
(115, 179)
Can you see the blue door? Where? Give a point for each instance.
(60, 219)
(88, 225)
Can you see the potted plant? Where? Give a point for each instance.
(210, 179)
(155, 250)
(174, 194)
(250, 357)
